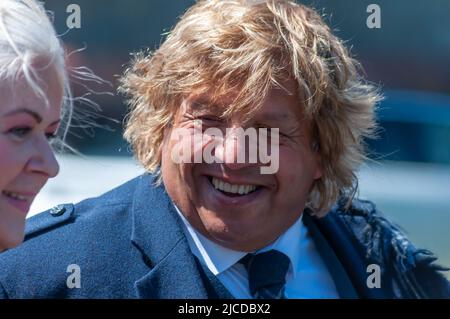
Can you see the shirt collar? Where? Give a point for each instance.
(218, 258)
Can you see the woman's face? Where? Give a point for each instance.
(27, 124)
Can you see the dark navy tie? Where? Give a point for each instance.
(266, 274)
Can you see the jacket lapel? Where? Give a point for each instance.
(175, 277)
(157, 233)
(214, 288)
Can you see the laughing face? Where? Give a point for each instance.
(27, 161)
(232, 203)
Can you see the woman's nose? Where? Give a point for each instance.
(43, 160)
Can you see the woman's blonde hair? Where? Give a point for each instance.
(221, 46)
(27, 36)
(28, 40)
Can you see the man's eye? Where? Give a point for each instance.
(272, 135)
(20, 131)
(271, 131)
(210, 118)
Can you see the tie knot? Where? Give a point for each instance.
(266, 273)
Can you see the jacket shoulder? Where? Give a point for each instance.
(87, 209)
(412, 272)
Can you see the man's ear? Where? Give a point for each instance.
(318, 172)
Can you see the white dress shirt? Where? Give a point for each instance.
(307, 277)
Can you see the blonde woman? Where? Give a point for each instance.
(34, 100)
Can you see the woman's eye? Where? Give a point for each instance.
(20, 131)
(51, 136)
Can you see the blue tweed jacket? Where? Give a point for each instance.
(129, 243)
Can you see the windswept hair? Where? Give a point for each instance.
(28, 43)
(247, 46)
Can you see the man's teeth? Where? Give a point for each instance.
(14, 195)
(232, 188)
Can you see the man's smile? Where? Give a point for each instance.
(223, 191)
(232, 189)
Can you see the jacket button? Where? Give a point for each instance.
(57, 210)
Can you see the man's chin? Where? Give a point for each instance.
(238, 243)
(233, 233)
(233, 220)
(233, 241)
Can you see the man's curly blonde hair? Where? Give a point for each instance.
(221, 46)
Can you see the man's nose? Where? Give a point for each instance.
(43, 160)
(234, 151)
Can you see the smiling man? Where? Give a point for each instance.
(230, 201)
(222, 225)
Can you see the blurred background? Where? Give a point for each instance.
(408, 176)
